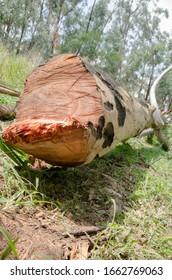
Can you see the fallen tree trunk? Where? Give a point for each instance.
(70, 112)
(8, 91)
(7, 112)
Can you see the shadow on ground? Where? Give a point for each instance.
(87, 197)
(88, 194)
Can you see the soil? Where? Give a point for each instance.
(45, 235)
(51, 234)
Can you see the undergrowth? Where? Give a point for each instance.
(13, 72)
(145, 231)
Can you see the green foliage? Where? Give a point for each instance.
(13, 70)
(122, 37)
(164, 92)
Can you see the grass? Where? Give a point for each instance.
(11, 245)
(13, 72)
(129, 191)
(145, 232)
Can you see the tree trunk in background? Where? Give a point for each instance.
(150, 82)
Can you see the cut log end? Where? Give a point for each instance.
(60, 98)
(58, 143)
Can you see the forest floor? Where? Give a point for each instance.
(117, 207)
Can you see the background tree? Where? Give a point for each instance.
(123, 37)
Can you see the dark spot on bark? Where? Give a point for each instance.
(97, 131)
(121, 111)
(105, 77)
(90, 125)
(108, 80)
(108, 135)
(101, 122)
(108, 106)
(100, 127)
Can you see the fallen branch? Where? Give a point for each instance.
(146, 132)
(155, 160)
(153, 100)
(88, 230)
(159, 118)
(8, 91)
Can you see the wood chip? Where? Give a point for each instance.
(79, 250)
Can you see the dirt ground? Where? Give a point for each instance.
(52, 234)
(45, 235)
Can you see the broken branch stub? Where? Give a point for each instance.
(70, 112)
(158, 117)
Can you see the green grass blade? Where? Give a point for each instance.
(10, 242)
(7, 251)
(13, 153)
(7, 166)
